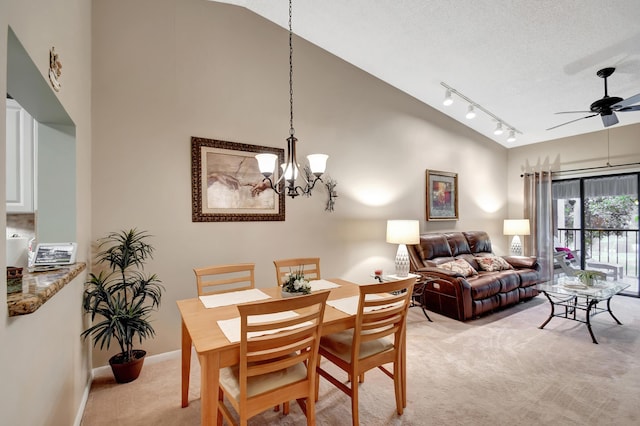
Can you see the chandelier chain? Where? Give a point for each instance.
(291, 130)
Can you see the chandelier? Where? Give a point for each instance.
(291, 173)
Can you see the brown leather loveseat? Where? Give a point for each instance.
(469, 280)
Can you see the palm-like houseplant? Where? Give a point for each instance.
(122, 299)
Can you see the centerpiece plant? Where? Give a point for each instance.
(296, 283)
(589, 277)
(121, 299)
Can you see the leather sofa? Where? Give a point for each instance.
(454, 290)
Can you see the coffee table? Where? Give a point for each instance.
(573, 296)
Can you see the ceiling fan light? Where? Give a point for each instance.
(498, 131)
(471, 113)
(512, 136)
(448, 99)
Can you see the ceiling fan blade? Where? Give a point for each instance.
(629, 108)
(629, 101)
(609, 120)
(573, 112)
(572, 121)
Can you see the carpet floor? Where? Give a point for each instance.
(496, 370)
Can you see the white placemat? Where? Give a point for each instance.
(233, 298)
(231, 327)
(322, 285)
(349, 305)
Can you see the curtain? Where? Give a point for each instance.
(537, 208)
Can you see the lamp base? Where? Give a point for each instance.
(516, 246)
(402, 261)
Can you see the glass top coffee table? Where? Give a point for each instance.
(573, 296)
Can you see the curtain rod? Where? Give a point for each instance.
(584, 169)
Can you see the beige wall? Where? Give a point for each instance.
(43, 363)
(168, 70)
(616, 146)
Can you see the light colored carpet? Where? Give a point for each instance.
(497, 370)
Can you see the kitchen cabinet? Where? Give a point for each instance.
(21, 160)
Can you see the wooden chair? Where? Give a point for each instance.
(377, 339)
(309, 265)
(276, 367)
(224, 278)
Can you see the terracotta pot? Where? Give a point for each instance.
(128, 371)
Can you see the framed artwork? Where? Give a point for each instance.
(227, 186)
(442, 195)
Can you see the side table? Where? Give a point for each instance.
(418, 289)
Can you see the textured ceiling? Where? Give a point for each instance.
(521, 60)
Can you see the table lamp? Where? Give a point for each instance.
(403, 232)
(516, 227)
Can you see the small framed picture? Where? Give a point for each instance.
(442, 195)
(227, 186)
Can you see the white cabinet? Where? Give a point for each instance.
(20, 156)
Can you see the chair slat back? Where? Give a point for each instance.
(378, 318)
(280, 349)
(224, 278)
(310, 266)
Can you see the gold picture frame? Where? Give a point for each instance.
(441, 195)
(227, 186)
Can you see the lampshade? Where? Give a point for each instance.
(317, 163)
(403, 231)
(516, 227)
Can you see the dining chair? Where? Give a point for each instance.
(278, 357)
(310, 267)
(377, 339)
(224, 278)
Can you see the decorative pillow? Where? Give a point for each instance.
(460, 266)
(569, 255)
(493, 263)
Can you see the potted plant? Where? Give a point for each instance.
(589, 278)
(295, 284)
(122, 299)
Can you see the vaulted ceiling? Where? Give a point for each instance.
(521, 60)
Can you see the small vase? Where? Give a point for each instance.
(287, 294)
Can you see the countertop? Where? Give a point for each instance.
(39, 287)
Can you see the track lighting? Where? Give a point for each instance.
(448, 99)
(501, 125)
(471, 113)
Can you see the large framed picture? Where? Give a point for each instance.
(442, 195)
(227, 186)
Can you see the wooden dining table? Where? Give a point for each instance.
(215, 351)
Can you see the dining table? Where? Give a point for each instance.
(201, 329)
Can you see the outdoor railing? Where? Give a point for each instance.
(616, 246)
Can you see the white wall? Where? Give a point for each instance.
(615, 145)
(166, 70)
(43, 363)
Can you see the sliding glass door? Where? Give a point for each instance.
(597, 219)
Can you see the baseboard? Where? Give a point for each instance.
(83, 401)
(152, 359)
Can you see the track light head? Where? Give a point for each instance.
(512, 136)
(448, 99)
(498, 131)
(471, 113)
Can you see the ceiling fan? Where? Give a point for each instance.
(607, 106)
